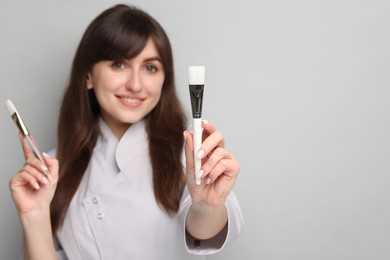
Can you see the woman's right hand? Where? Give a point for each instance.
(33, 187)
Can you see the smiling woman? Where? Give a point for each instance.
(128, 90)
(120, 185)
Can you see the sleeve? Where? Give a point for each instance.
(217, 243)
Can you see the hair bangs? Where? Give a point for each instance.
(122, 38)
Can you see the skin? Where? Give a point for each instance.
(127, 91)
(207, 215)
(32, 191)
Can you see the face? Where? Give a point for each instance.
(127, 90)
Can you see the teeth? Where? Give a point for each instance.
(132, 100)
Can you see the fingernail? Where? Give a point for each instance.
(46, 155)
(45, 180)
(185, 136)
(200, 174)
(205, 121)
(36, 186)
(200, 154)
(208, 181)
(45, 169)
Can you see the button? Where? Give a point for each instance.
(95, 200)
(100, 216)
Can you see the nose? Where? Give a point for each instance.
(133, 81)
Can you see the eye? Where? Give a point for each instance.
(151, 68)
(118, 65)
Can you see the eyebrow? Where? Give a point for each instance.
(154, 58)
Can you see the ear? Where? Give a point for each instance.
(89, 81)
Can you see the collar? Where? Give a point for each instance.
(122, 152)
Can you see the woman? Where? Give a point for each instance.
(118, 188)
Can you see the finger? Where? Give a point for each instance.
(23, 178)
(26, 148)
(214, 158)
(38, 165)
(52, 168)
(37, 174)
(216, 172)
(213, 141)
(224, 169)
(189, 153)
(208, 128)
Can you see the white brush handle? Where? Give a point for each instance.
(197, 128)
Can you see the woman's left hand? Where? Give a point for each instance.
(220, 168)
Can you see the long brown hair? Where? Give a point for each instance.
(118, 33)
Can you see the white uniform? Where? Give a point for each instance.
(114, 214)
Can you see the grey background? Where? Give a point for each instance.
(300, 90)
